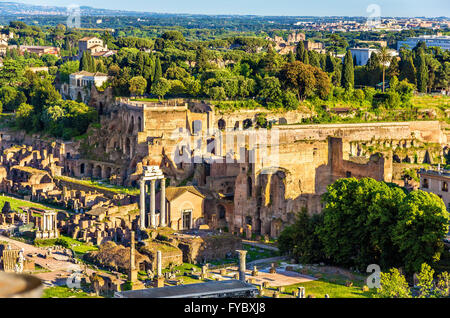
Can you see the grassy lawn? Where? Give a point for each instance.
(65, 292)
(429, 101)
(16, 203)
(101, 185)
(80, 248)
(320, 287)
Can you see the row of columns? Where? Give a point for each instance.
(152, 217)
(49, 222)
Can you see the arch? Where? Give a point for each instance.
(140, 128)
(82, 168)
(97, 172)
(282, 121)
(221, 212)
(247, 123)
(46, 179)
(249, 187)
(131, 126)
(108, 172)
(90, 169)
(222, 124)
(128, 147)
(248, 220)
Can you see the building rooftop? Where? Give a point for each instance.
(440, 173)
(191, 290)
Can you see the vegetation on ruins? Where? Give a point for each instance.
(232, 71)
(369, 222)
(394, 285)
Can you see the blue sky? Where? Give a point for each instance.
(271, 7)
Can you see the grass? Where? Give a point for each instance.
(319, 288)
(101, 185)
(16, 203)
(65, 292)
(80, 248)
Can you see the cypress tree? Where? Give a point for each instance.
(300, 52)
(158, 71)
(305, 57)
(329, 64)
(348, 72)
(408, 71)
(422, 72)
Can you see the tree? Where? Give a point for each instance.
(158, 71)
(393, 285)
(138, 84)
(336, 42)
(300, 240)
(423, 224)
(23, 116)
(348, 75)
(160, 88)
(425, 278)
(300, 51)
(358, 219)
(384, 58)
(422, 72)
(407, 70)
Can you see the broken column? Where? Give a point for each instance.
(242, 265)
(159, 276)
(142, 204)
(301, 292)
(132, 276)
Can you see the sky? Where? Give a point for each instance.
(403, 8)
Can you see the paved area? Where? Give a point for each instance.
(58, 266)
(281, 278)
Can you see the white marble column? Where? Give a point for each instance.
(163, 203)
(159, 263)
(142, 204)
(152, 204)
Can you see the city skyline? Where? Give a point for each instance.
(396, 8)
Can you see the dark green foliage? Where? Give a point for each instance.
(348, 75)
(369, 222)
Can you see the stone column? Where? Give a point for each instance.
(242, 254)
(142, 204)
(159, 263)
(44, 222)
(152, 204)
(163, 203)
(132, 276)
(301, 292)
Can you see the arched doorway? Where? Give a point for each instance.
(222, 124)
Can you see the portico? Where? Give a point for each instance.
(152, 173)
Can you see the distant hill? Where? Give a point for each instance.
(20, 9)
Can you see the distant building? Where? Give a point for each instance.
(80, 84)
(442, 41)
(94, 46)
(436, 182)
(39, 50)
(314, 46)
(362, 55)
